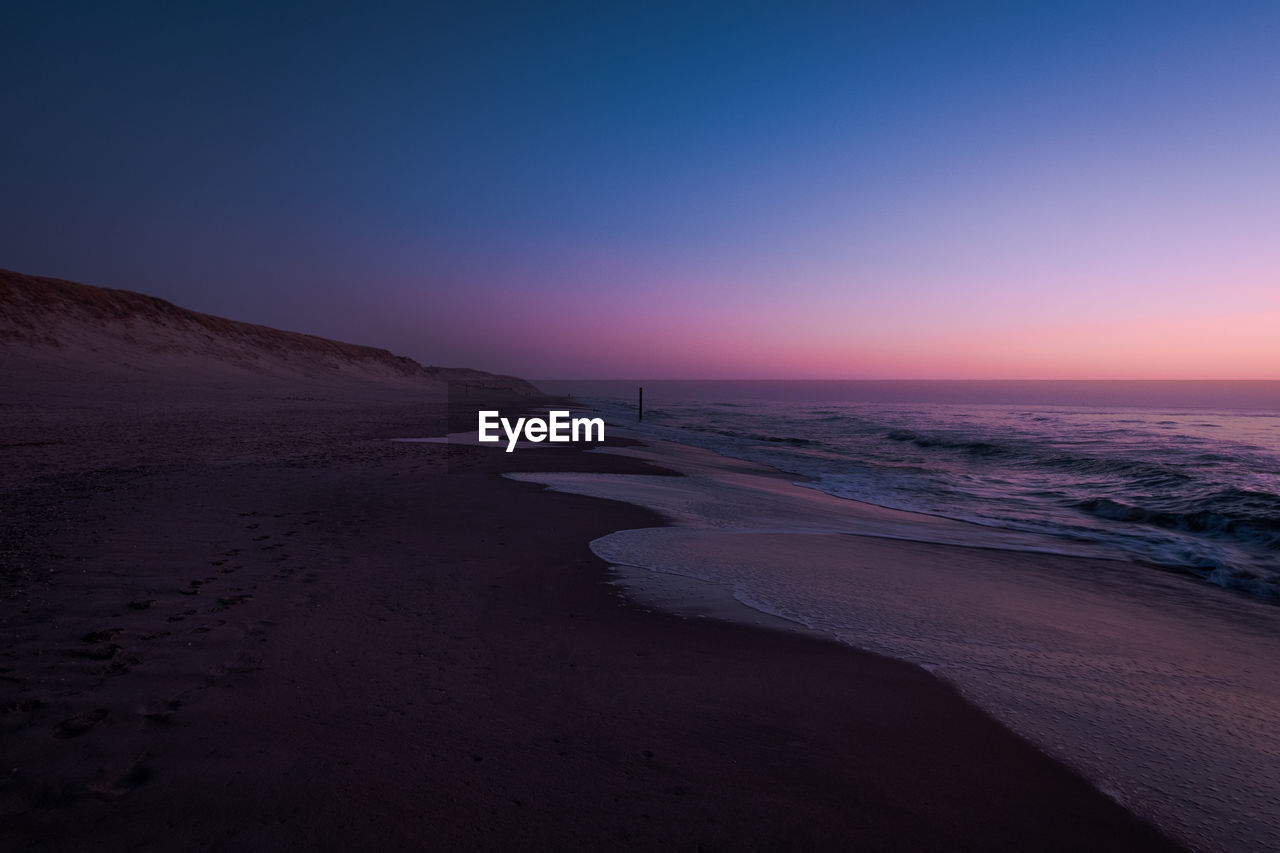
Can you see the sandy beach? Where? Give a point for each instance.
(243, 612)
(249, 621)
(640, 427)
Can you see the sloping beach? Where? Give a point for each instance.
(238, 614)
(267, 626)
(1163, 690)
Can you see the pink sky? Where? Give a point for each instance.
(841, 190)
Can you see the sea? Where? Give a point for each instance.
(1182, 476)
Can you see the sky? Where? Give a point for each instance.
(879, 190)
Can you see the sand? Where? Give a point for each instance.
(244, 619)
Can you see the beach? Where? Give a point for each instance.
(640, 427)
(246, 619)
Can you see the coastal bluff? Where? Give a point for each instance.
(53, 330)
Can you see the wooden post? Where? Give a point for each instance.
(640, 405)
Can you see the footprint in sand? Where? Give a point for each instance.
(119, 667)
(161, 716)
(79, 724)
(194, 586)
(137, 775)
(97, 652)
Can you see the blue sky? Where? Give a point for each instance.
(876, 190)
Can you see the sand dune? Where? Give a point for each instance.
(54, 330)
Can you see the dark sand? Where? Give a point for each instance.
(243, 622)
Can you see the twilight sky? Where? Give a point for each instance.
(683, 190)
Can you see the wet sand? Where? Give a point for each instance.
(251, 622)
(1162, 690)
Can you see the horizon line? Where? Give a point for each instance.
(796, 379)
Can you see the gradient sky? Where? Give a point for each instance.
(684, 190)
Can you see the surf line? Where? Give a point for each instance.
(558, 427)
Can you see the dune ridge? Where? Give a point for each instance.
(64, 326)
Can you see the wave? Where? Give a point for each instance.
(976, 447)
(1144, 473)
(1252, 517)
(793, 440)
(1175, 497)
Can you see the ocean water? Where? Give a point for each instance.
(1182, 476)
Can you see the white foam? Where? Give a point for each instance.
(720, 492)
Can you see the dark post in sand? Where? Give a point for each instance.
(640, 405)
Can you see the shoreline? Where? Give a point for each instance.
(1152, 686)
(324, 637)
